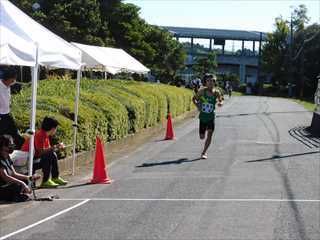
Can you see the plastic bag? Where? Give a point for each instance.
(19, 158)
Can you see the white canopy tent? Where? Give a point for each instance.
(126, 61)
(10, 48)
(112, 60)
(25, 42)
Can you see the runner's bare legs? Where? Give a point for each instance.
(207, 142)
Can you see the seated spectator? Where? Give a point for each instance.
(13, 186)
(47, 153)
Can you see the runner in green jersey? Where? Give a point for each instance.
(206, 100)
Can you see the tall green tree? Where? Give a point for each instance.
(300, 17)
(275, 53)
(309, 59)
(75, 20)
(150, 44)
(169, 56)
(205, 64)
(111, 23)
(284, 61)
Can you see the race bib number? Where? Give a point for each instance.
(207, 107)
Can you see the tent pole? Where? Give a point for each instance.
(31, 130)
(75, 123)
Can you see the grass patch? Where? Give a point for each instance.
(237, 93)
(306, 104)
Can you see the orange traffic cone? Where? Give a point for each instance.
(100, 174)
(169, 133)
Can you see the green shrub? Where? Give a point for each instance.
(150, 100)
(91, 121)
(115, 113)
(108, 108)
(135, 105)
(154, 90)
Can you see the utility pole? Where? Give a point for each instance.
(259, 80)
(290, 87)
(301, 81)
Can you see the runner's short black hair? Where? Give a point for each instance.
(48, 123)
(209, 75)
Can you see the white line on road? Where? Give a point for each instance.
(46, 219)
(192, 200)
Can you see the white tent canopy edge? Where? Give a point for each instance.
(112, 60)
(45, 48)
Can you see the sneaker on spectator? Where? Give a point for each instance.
(49, 184)
(59, 181)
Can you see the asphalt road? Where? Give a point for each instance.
(260, 181)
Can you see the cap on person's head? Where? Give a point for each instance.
(9, 73)
(209, 75)
(48, 123)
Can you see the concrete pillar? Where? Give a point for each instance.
(254, 48)
(242, 48)
(260, 82)
(192, 46)
(242, 73)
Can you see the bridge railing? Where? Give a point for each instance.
(227, 53)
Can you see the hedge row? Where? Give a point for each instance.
(111, 109)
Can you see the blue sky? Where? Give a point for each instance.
(227, 14)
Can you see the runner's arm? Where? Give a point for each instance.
(220, 98)
(10, 179)
(196, 99)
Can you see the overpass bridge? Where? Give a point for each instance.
(246, 61)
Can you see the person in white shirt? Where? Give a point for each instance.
(7, 123)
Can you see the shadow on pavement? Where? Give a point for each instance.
(256, 113)
(75, 186)
(298, 222)
(178, 161)
(280, 157)
(304, 135)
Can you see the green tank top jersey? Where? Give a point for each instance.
(208, 105)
